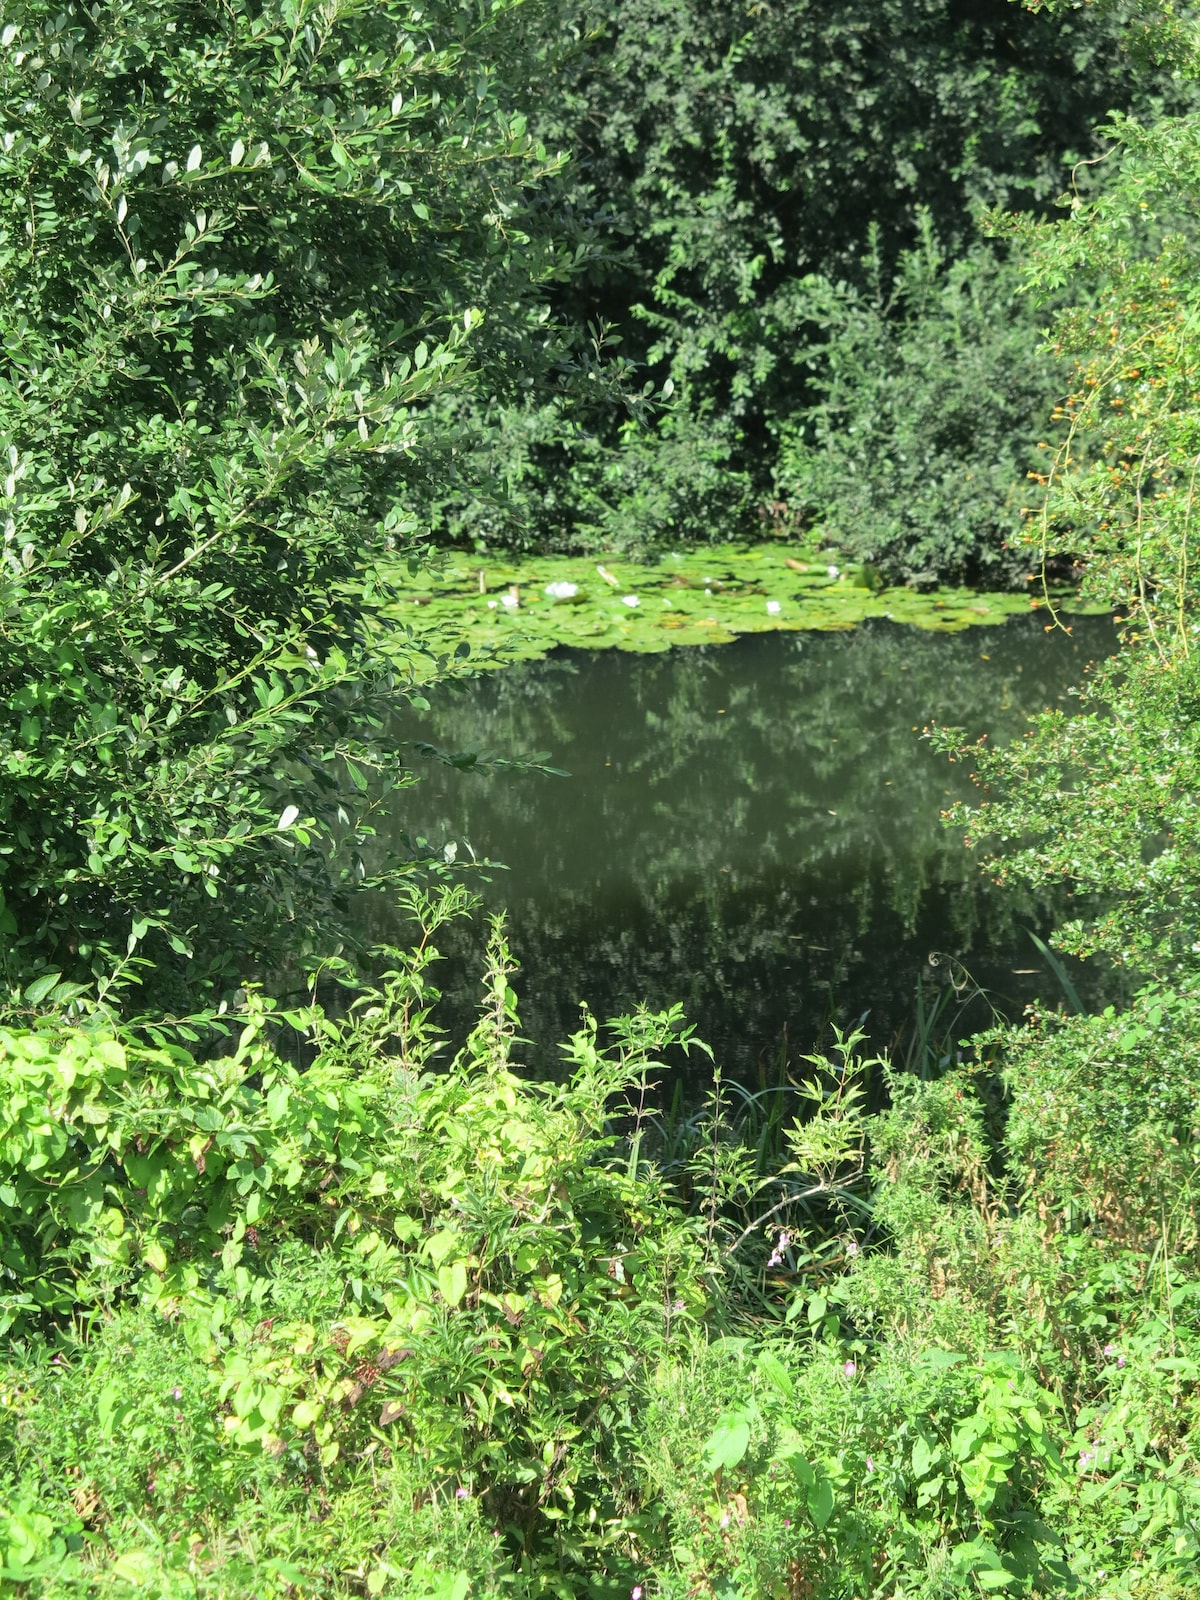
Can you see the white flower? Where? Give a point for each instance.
(491, 605)
(561, 591)
(509, 600)
(832, 571)
(773, 608)
(630, 600)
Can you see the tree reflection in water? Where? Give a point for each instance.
(752, 829)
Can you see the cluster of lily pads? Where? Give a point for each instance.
(511, 608)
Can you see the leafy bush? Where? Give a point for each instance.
(932, 403)
(245, 247)
(455, 1272)
(785, 1470)
(725, 154)
(287, 1329)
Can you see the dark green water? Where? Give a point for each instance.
(752, 829)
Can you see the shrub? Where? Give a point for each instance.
(932, 401)
(245, 248)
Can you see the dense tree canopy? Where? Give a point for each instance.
(754, 177)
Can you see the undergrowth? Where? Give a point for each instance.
(388, 1327)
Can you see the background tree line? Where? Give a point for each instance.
(777, 208)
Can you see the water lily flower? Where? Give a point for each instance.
(773, 608)
(510, 600)
(561, 590)
(492, 605)
(832, 571)
(630, 600)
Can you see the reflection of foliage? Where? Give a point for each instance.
(751, 829)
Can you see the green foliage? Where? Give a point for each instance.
(438, 1332)
(243, 249)
(320, 1314)
(118, 1159)
(1105, 800)
(726, 155)
(824, 1476)
(930, 413)
(455, 1270)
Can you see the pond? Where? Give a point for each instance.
(752, 829)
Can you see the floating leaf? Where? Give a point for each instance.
(522, 608)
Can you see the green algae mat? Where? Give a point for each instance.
(510, 609)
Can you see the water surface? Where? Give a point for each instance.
(752, 829)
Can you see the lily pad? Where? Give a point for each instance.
(520, 609)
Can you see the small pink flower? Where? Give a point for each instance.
(462, 1494)
(636, 1592)
(870, 1465)
(850, 1369)
(176, 1394)
(781, 1244)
